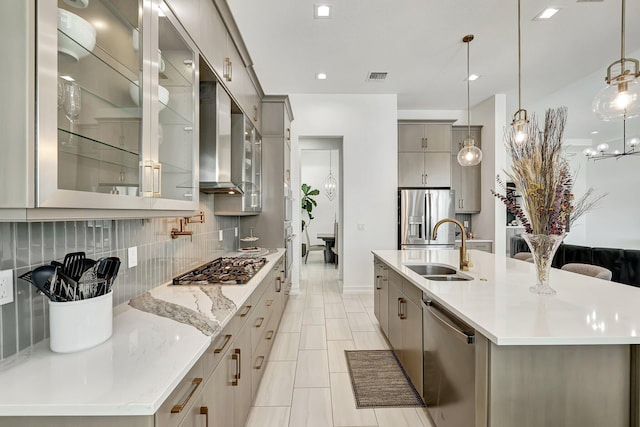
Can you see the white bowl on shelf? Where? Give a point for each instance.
(81, 35)
(163, 94)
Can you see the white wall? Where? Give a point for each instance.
(578, 164)
(490, 222)
(314, 168)
(368, 125)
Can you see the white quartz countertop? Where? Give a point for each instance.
(130, 374)
(499, 305)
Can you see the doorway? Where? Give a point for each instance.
(321, 169)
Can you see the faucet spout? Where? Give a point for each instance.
(465, 263)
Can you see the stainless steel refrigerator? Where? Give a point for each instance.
(419, 210)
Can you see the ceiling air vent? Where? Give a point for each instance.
(377, 76)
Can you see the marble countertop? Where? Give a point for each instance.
(137, 368)
(499, 305)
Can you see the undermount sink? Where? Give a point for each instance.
(437, 272)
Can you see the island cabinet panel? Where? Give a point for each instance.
(381, 296)
(404, 325)
(557, 385)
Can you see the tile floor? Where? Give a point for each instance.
(306, 381)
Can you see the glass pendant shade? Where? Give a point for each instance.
(616, 101)
(470, 154)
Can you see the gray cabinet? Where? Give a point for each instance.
(381, 296)
(465, 180)
(424, 170)
(423, 155)
(424, 137)
(404, 316)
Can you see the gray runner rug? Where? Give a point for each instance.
(379, 381)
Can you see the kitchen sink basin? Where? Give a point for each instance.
(432, 269)
(437, 272)
(447, 277)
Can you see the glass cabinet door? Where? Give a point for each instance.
(176, 132)
(93, 143)
(256, 197)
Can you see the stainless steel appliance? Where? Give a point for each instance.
(223, 271)
(419, 210)
(449, 367)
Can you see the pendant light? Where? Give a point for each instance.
(520, 118)
(470, 154)
(602, 150)
(619, 99)
(330, 183)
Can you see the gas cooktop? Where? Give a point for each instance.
(223, 271)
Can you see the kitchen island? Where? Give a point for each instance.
(136, 378)
(563, 360)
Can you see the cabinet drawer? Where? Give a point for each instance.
(259, 359)
(182, 398)
(412, 292)
(260, 320)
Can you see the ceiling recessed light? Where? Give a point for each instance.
(322, 11)
(546, 14)
(473, 77)
(595, 132)
(321, 76)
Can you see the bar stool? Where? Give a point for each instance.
(588, 270)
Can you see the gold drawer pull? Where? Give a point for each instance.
(259, 365)
(247, 310)
(227, 338)
(204, 410)
(178, 408)
(259, 322)
(269, 302)
(237, 357)
(269, 335)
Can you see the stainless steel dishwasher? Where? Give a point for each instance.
(449, 366)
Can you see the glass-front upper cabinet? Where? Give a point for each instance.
(251, 176)
(110, 84)
(177, 102)
(256, 200)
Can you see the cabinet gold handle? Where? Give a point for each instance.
(259, 322)
(227, 338)
(278, 284)
(157, 180)
(236, 356)
(288, 134)
(178, 408)
(269, 335)
(426, 142)
(246, 311)
(147, 173)
(403, 303)
(204, 410)
(261, 361)
(227, 71)
(255, 113)
(269, 302)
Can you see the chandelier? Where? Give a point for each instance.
(601, 152)
(330, 183)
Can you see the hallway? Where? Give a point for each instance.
(306, 382)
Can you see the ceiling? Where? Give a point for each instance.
(419, 43)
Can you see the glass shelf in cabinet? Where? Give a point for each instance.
(81, 146)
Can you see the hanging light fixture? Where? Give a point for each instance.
(520, 118)
(469, 154)
(330, 183)
(619, 99)
(602, 150)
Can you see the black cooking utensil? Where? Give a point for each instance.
(40, 279)
(107, 269)
(73, 264)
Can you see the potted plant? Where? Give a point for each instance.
(308, 203)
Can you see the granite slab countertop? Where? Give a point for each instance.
(499, 305)
(138, 367)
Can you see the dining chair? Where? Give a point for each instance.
(588, 270)
(310, 247)
(524, 256)
(335, 248)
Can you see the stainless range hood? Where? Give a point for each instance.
(216, 151)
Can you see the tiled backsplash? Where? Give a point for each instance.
(24, 246)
